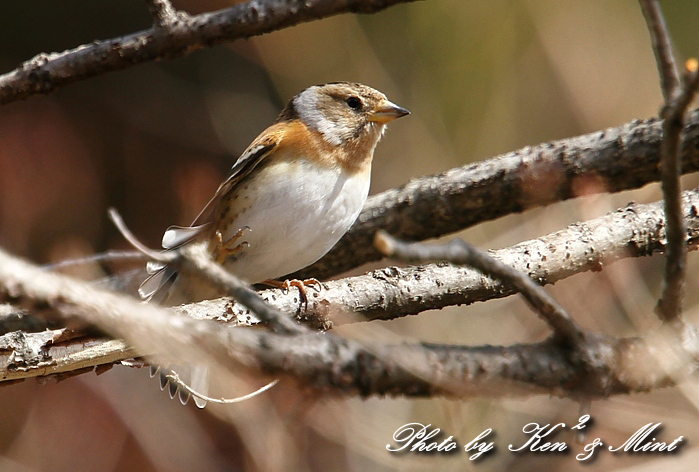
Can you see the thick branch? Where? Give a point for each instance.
(613, 160)
(459, 252)
(634, 231)
(47, 72)
(330, 362)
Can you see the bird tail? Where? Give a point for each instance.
(198, 377)
(161, 276)
(156, 288)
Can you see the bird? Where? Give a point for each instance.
(289, 197)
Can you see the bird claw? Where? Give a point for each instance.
(302, 285)
(225, 249)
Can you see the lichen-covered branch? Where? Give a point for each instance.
(612, 160)
(329, 362)
(636, 230)
(459, 252)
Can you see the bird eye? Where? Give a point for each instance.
(354, 103)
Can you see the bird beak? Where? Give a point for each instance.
(387, 111)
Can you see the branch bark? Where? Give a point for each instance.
(662, 49)
(631, 364)
(670, 303)
(329, 362)
(47, 72)
(612, 160)
(459, 252)
(634, 231)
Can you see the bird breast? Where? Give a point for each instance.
(295, 211)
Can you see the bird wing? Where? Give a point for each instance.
(163, 276)
(262, 146)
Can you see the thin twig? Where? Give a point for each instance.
(677, 98)
(108, 256)
(159, 256)
(459, 252)
(662, 48)
(669, 306)
(173, 377)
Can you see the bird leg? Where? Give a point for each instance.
(300, 284)
(224, 249)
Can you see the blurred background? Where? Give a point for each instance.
(154, 141)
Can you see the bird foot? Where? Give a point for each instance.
(225, 249)
(302, 285)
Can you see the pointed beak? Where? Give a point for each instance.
(387, 111)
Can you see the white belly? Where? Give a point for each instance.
(296, 215)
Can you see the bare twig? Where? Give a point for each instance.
(677, 99)
(662, 48)
(159, 256)
(612, 160)
(47, 72)
(670, 303)
(175, 379)
(459, 252)
(109, 256)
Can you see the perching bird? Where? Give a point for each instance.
(290, 196)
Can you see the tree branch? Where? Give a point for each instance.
(636, 230)
(329, 362)
(677, 99)
(662, 48)
(47, 72)
(670, 303)
(459, 252)
(612, 160)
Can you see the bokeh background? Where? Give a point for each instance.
(154, 141)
